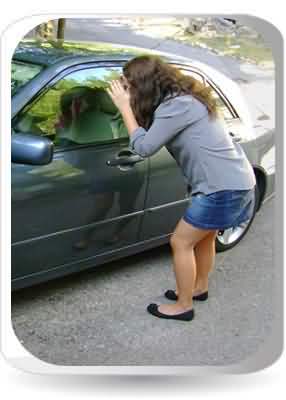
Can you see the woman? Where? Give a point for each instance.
(162, 107)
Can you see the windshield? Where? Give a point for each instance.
(22, 73)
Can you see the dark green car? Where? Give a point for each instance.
(80, 197)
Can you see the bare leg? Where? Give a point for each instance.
(205, 259)
(183, 242)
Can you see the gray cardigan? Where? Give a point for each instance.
(202, 147)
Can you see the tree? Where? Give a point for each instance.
(61, 28)
(52, 32)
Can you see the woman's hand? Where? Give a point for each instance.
(119, 96)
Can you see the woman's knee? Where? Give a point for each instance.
(177, 242)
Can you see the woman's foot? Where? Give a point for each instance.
(172, 311)
(114, 239)
(198, 294)
(81, 245)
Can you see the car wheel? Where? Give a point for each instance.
(226, 239)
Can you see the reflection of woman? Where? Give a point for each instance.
(163, 107)
(88, 115)
(77, 105)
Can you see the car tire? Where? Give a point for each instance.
(229, 238)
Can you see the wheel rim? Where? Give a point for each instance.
(231, 235)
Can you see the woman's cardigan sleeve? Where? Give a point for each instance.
(170, 118)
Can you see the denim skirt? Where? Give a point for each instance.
(220, 210)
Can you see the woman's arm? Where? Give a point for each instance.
(163, 129)
(129, 119)
(170, 118)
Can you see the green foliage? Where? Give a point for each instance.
(22, 73)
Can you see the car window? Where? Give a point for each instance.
(223, 109)
(76, 110)
(22, 73)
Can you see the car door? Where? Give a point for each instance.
(89, 200)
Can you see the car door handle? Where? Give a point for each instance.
(125, 160)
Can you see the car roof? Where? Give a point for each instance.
(58, 56)
(47, 53)
(69, 53)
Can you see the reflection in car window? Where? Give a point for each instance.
(22, 73)
(77, 110)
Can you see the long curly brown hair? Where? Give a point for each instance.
(151, 79)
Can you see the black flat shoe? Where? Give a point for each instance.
(185, 316)
(171, 295)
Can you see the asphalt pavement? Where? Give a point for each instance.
(99, 317)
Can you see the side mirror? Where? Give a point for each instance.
(31, 149)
